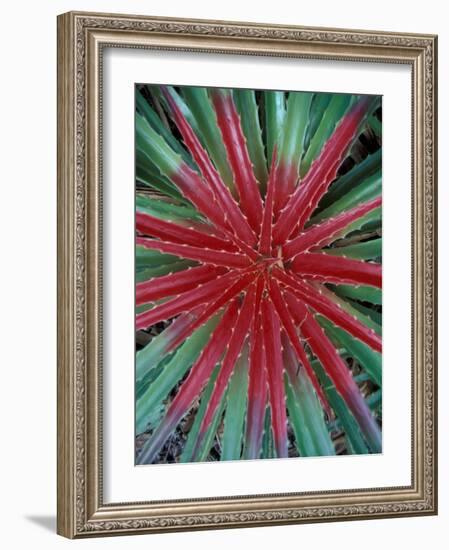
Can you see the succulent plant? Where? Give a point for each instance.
(259, 276)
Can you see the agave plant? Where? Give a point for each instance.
(258, 294)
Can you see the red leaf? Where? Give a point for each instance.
(192, 386)
(239, 333)
(257, 391)
(234, 141)
(321, 174)
(337, 269)
(318, 234)
(237, 222)
(321, 304)
(193, 188)
(275, 368)
(267, 221)
(170, 231)
(241, 284)
(169, 335)
(289, 326)
(337, 371)
(206, 255)
(175, 283)
(185, 302)
(285, 178)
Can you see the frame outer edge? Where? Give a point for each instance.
(434, 297)
(78, 516)
(66, 287)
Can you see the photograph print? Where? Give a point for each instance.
(258, 269)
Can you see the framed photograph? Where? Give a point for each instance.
(246, 274)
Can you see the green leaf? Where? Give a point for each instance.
(356, 310)
(370, 316)
(155, 122)
(149, 357)
(320, 102)
(150, 403)
(165, 210)
(362, 293)
(355, 440)
(201, 108)
(192, 437)
(367, 223)
(306, 417)
(144, 307)
(149, 175)
(374, 400)
(294, 128)
(268, 450)
(143, 383)
(146, 258)
(361, 377)
(245, 101)
(208, 440)
(152, 263)
(303, 439)
(375, 124)
(368, 250)
(235, 409)
(365, 191)
(358, 173)
(370, 226)
(183, 107)
(156, 148)
(370, 360)
(274, 119)
(146, 274)
(329, 119)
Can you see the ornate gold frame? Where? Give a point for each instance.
(81, 38)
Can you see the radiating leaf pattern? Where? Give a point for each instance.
(258, 274)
